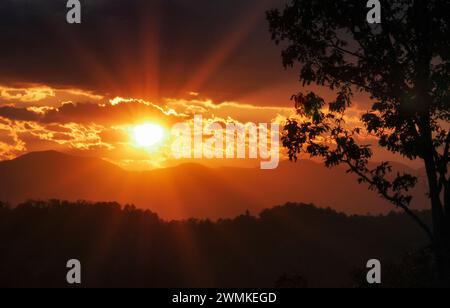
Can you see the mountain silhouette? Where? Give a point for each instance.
(189, 190)
(294, 245)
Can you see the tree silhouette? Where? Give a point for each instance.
(295, 245)
(404, 64)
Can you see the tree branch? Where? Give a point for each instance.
(334, 45)
(393, 200)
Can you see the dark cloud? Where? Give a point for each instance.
(86, 113)
(19, 114)
(142, 48)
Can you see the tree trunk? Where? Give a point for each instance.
(441, 234)
(446, 239)
(441, 228)
(441, 251)
(447, 202)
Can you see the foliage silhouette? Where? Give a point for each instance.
(404, 65)
(295, 245)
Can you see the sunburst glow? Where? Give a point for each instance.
(147, 135)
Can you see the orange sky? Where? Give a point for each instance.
(40, 118)
(81, 89)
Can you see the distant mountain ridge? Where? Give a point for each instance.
(189, 190)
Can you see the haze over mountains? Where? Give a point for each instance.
(190, 190)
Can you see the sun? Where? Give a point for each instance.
(147, 135)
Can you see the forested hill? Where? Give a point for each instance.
(292, 245)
